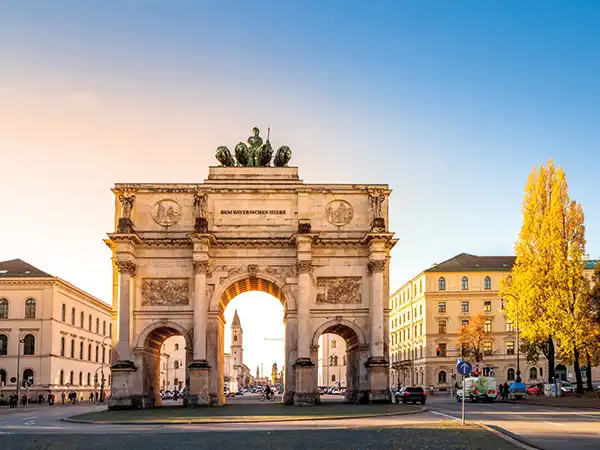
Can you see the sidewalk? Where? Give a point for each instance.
(4, 409)
(567, 401)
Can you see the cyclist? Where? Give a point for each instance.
(268, 392)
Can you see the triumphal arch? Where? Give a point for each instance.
(181, 252)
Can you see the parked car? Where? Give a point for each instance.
(567, 387)
(536, 389)
(411, 394)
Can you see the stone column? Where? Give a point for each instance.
(126, 271)
(291, 355)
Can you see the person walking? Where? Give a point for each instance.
(501, 389)
(62, 397)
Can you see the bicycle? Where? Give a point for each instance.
(262, 397)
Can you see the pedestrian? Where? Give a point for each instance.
(501, 389)
(96, 396)
(506, 391)
(40, 399)
(24, 400)
(50, 403)
(175, 395)
(62, 397)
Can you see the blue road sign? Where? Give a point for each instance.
(464, 368)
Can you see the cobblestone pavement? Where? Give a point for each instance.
(416, 436)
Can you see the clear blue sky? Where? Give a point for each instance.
(450, 102)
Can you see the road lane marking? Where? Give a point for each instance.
(31, 422)
(556, 424)
(588, 415)
(29, 418)
(444, 415)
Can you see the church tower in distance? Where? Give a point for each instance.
(237, 351)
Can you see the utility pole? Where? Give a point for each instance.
(21, 341)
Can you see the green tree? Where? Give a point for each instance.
(472, 337)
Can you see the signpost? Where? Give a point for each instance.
(464, 368)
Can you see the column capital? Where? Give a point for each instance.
(200, 267)
(376, 265)
(127, 267)
(304, 266)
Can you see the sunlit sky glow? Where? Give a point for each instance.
(451, 103)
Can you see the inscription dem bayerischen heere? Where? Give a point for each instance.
(253, 211)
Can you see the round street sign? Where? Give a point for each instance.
(464, 368)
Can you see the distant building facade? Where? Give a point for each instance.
(427, 313)
(60, 334)
(332, 361)
(172, 364)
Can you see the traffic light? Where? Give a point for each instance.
(437, 352)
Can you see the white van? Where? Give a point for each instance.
(478, 388)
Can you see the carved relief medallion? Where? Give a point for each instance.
(165, 292)
(166, 213)
(339, 290)
(339, 212)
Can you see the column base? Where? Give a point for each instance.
(198, 395)
(288, 398)
(122, 392)
(306, 393)
(378, 375)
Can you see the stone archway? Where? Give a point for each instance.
(181, 252)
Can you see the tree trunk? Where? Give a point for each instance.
(588, 372)
(577, 369)
(550, 357)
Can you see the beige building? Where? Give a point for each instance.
(172, 364)
(58, 334)
(428, 312)
(332, 361)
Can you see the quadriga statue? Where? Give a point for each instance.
(254, 153)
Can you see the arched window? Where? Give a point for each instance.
(235, 338)
(73, 316)
(30, 308)
(175, 382)
(97, 353)
(97, 325)
(510, 375)
(72, 348)
(104, 328)
(81, 350)
(176, 347)
(71, 378)
(63, 313)
(2, 377)
(62, 346)
(487, 283)
(442, 377)
(533, 373)
(3, 344)
(81, 319)
(90, 322)
(333, 378)
(335, 360)
(103, 355)
(333, 344)
(89, 352)
(61, 378)
(441, 284)
(89, 379)
(176, 365)
(3, 308)
(420, 286)
(110, 330)
(29, 345)
(28, 377)
(465, 283)
(80, 379)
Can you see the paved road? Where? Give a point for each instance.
(550, 428)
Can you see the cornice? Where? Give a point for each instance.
(297, 187)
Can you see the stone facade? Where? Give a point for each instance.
(322, 250)
(67, 334)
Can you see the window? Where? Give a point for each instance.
(510, 375)
(104, 328)
(420, 329)
(487, 283)
(442, 307)
(71, 378)
(420, 310)
(97, 326)
(487, 306)
(3, 309)
(175, 382)
(109, 355)
(81, 350)
(89, 379)
(464, 307)
(73, 316)
(110, 330)
(464, 283)
(97, 353)
(442, 377)
(2, 377)
(90, 323)
(510, 326)
(89, 352)
(80, 378)
(30, 308)
(61, 378)
(464, 322)
(533, 373)
(333, 378)
(487, 348)
(81, 319)
(109, 378)
(443, 350)
(541, 372)
(3, 344)
(235, 338)
(420, 286)
(103, 355)
(28, 376)
(510, 348)
(487, 326)
(442, 327)
(344, 360)
(176, 365)
(63, 313)
(333, 344)
(464, 349)
(62, 346)
(441, 284)
(72, 348)
(29, 345)
(487, 372)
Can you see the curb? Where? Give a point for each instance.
(507, 436)
(534, 403)
(232, 422)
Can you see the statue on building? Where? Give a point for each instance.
(127, 202)
(200, 203)
(376, 199)
(254, 153)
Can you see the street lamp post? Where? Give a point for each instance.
(518, 378)
(21, 341)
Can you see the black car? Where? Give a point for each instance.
(411, 394)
